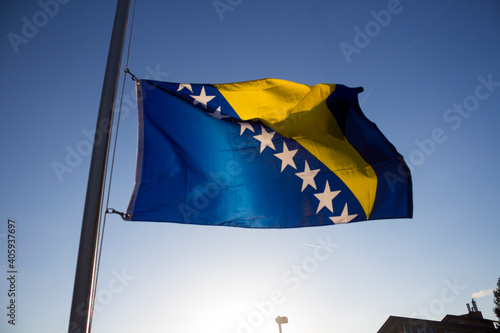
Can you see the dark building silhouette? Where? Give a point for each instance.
(472, 322)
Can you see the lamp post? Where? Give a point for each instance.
(281, 320)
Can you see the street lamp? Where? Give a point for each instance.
(281, 320)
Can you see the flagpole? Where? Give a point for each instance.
(81, 307)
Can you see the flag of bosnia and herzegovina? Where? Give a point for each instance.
(263, 154)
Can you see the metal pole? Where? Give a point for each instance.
(81, 307)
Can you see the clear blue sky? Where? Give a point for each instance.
(425, 70)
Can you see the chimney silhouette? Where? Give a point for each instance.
(474, 305)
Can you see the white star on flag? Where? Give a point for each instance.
(185, 85)
(245, 126)
(202, 98)
(266, 139)
(286, 157)
(217, 114)
(326, 198)
(308, 177)
(344, 217)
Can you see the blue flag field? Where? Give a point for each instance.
(263, 154)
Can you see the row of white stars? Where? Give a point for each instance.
(286, 157)
(307, 176)
(202, 99)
